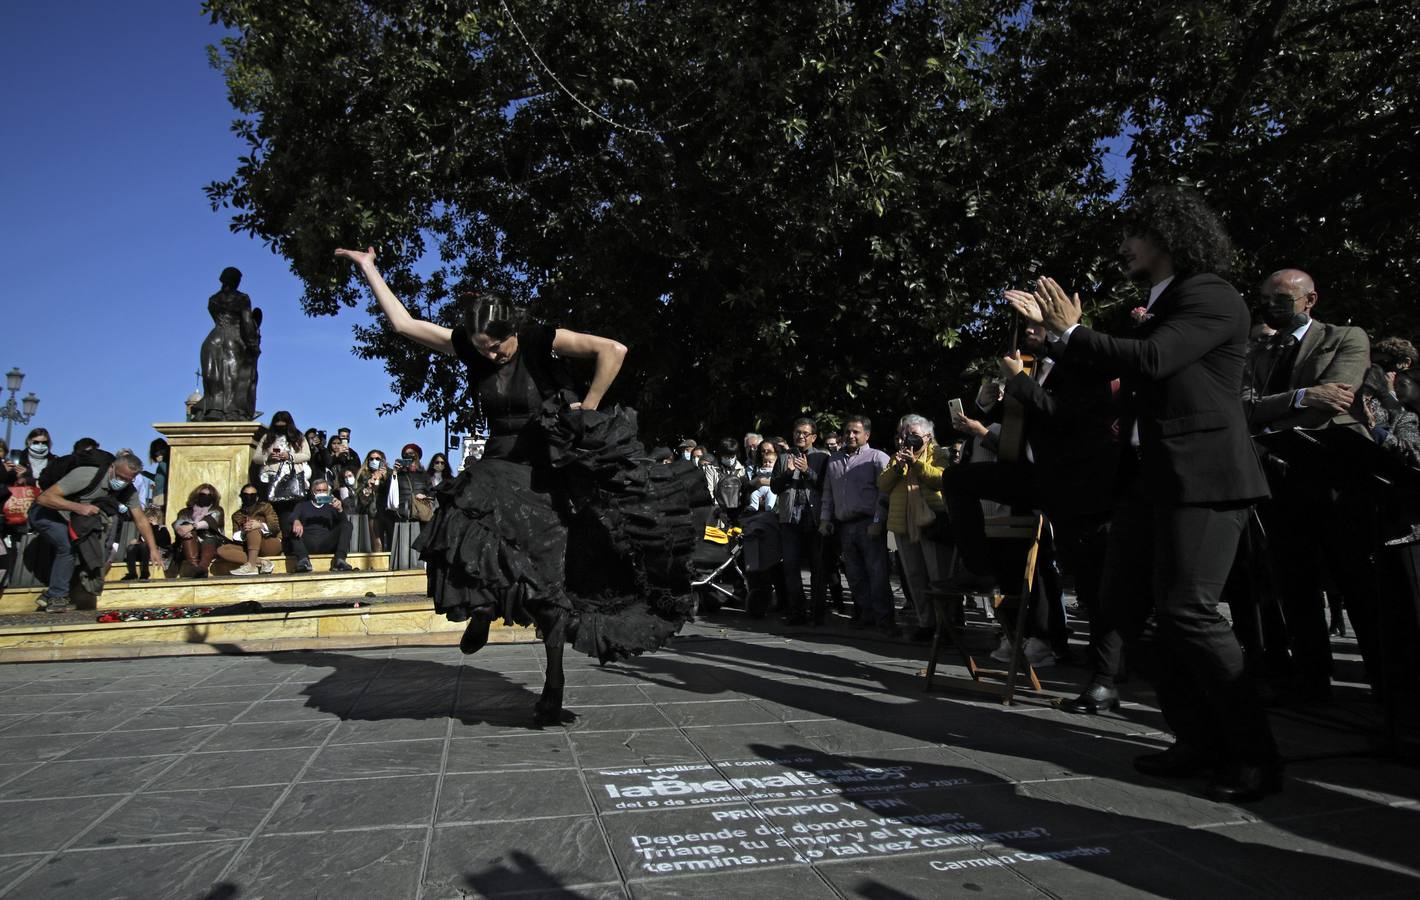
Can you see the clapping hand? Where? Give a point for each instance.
(1058, 311)
(1011, 366)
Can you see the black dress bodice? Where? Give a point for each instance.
(512, 394)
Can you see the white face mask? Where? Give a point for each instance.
(350, 480)
(40, 450)
(685, 455)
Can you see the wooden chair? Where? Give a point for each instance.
(1026, 529)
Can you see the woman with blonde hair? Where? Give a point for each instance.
(917, 513)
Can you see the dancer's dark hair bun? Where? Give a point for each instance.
(492, 315)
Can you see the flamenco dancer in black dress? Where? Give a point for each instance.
(564, 523)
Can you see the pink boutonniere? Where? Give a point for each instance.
(1140, 315)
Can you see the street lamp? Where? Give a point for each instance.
(21, 412)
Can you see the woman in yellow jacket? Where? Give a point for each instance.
(916, 513)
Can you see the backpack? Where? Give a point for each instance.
(63, 465)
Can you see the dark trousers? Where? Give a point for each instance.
(54, 529)
(1317, 537)
(1171, 562)
(322, 541)
(800, 542)
(865, 558)
(136, 557)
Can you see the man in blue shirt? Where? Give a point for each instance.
(855, 509)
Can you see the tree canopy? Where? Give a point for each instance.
(813, 206)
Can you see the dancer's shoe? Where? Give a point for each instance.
(475, 635)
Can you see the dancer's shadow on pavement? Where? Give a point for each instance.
(375, 689)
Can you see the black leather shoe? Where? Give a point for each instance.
(1097, 698)
(1178, 761)
(1244, 783)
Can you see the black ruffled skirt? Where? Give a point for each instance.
(593, 548)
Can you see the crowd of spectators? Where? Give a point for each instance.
(306, 495)
(851, 509)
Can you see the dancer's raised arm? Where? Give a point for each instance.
(435, 337)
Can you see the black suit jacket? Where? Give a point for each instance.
(1181, 374)
(783, 481)
(1070, 427)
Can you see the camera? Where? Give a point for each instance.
(912, 442)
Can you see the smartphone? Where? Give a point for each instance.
(956, 407)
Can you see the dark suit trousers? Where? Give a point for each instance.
(1172, 562)
(800, 542)
(322, 541)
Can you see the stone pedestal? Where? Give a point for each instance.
(216, 453)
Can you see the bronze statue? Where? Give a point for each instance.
(229, 355)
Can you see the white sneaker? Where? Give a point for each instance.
(1003, 652)
(265, 566)
(1038, 653)
(246, 569)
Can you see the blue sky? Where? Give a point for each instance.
(113, 123)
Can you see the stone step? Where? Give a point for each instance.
(224, 590)
(365, 562)
(391, 622)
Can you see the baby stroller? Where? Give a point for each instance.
(719, 575)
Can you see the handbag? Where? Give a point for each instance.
(422, 510)
(17, 508)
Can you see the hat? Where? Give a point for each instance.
(418, 451)
(687, 444)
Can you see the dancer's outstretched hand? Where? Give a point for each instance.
(1058, 311)
(359, 257)
(1025, 304)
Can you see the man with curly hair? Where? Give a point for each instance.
(1188, 476)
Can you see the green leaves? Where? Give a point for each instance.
(744, 193)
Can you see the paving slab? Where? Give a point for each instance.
(742, 761)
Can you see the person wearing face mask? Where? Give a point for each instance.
(319, 525)
(399, 519)
(73, 515)
(438, 470)
(685, 450)
(370, 486)
(36, 454)
(1309, 374)
(198, 527)
(256, 534)
(724, 478)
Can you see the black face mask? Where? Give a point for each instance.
(248, 501)
(204, 499)
(1280, 315)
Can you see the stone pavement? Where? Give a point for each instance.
(737, 763)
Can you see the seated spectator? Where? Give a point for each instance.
(438, 471)
(136, 554)
(256, 535)
(74, 512)
(35, 454)
(320, 526)
(199, 528)
(917, 514)
(761, 494)
(282, 458)
(370, 491)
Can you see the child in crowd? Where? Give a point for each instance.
(136, 554)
